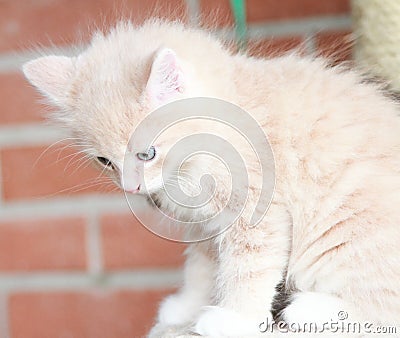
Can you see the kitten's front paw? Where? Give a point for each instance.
(220, 322)
(177, 310)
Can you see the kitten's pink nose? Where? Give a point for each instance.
(134, 191)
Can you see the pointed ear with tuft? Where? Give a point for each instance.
(166, 78)
(51, 75)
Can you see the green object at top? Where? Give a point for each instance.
(239, 12)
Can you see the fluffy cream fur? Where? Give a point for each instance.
(333, 228)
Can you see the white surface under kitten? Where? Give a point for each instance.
(333, 224)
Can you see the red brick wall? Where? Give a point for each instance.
(73, 261)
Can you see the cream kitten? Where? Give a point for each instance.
(332, 231)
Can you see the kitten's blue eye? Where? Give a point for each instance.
(147, 156)
(105, 162)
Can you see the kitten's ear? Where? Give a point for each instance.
(166, 77)
(51, 75)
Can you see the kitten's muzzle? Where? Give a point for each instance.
(134, 191)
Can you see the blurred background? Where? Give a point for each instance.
(73, 261)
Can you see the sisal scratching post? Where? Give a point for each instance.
(377, 31)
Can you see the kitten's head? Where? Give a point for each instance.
(104, 92)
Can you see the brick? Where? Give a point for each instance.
(335, 45)
(50, 244)
(127, 244)
(274, 47)
(33, 172)
(27, 23)
(19, 100)
(218, 13)
(95, 314)
(261, 10)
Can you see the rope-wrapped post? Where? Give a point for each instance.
(377, 32)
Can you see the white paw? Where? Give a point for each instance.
(313, 307)
(219, 322)
(177, 310)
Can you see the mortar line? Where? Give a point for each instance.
(12, 61)
(93, 244)
(68, 206)
(4, 316)
(310, 44)
(299, 26)
(29, 134)
(143, 279)
(193, 7)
